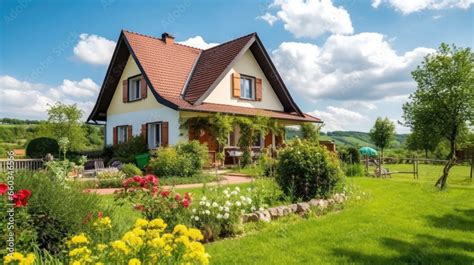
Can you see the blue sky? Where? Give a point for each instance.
(345, 61)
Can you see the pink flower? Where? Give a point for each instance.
(154, 190)
(152, 179)
(185, 203)
(137, 178)
(165, 193)
(3, 188)
(177, 197)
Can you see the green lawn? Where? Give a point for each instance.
(399, 221)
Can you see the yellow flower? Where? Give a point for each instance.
(99, 263)
(132, 239)
(194, 234)
(138, 231)
(78, 239)
(103, 223)
(181, 229)
(153, 233)
(19, 258)
(182, 239)
(82, 251)
(120, 246)
(134, 262)
(157, 223)
(101, 247)
(157, 242)
(141, 223)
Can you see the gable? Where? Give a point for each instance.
(246, 65)
(117, 105)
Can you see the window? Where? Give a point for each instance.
(134, 92)
(257, 142)
(154, 135)
(247, 87)
(122, 134)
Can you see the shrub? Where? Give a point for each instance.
(130, 170)
(353, 155)
(126, 152)
(110, 173)
(305, 170)
(354, 170)
(39, 147)
(56, 211)
(184, 160)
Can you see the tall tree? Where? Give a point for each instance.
(64, 121)
(444, 99)
(423, 140)
(382, 133)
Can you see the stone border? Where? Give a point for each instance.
(300, 208)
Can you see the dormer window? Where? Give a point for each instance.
(247, 87)
(134, 91)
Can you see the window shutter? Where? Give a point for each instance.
(236, 85)
(143, 87)
(164, 134)
(125, 91)
(268, 139)
(232, 138)
(258, 89)
(129, 132)
(145, 132)
(115, 136)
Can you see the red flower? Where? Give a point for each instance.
(20, 203)
(87, 219)
(139, 207)
(3, 188)
(152, 179)
(127, 182)
(142, 182)
(137, 178)
(154, 190)
(100, 214)
(185, 203)
(24, 194)
(21, 198)
(165, 193)
(177, 196)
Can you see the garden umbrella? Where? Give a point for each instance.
(368, 151)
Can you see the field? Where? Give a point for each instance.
(395, 221)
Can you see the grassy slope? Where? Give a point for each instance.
(401, 221)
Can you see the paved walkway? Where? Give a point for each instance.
(226, 181)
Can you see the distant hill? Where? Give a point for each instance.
(350, 138)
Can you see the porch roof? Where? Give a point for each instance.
(215, 108)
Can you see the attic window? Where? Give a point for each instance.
(134, 91)
(247, 87)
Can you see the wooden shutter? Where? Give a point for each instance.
(129, 132)
(164, 134)
(258, 89)
(143, 87)
(268, 139)
(145, 132)
(236, 85)
(115, 136)
(125, 91)
(232, 139)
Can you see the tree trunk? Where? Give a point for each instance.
(441, 183)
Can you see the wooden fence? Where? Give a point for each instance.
(22, 164)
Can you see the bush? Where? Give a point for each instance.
(56, 211)
(354, 170)
(184, 160)
(131, 170)
(39, 147)
(126, 152)
(305, 171)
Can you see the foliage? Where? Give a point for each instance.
(145, 243)
(127, 151)
(249, 128)
(39, 147)
(424, 140)
(65, 121)
(184, 160)
(306, 170)
(221, 126)
(111, 173)
(310, 132)
(350, 155)
(352, 170)
(53, 216)
(382, 133)
(130, 170)
(444, 99)
(145, 194)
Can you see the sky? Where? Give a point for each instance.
(346, 62)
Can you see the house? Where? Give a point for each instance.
(153, 85)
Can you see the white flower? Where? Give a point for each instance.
(208, 204)
(192, 217)
(238, 204)
(249, 189)
(227, 195)
(219, 216)
(196, 218)
(221, 208)
(207, 212)
(234, 192)
(202, 203)
(203, 198)
(242, 198)
(260, 209)
(249, 201)
(227, 203)
(226, 216)
(253, 208)
(226, 209)
(214, 204)
(194, 210)
(237, 188)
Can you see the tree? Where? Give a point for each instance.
(64, 121)
(422, 139)
(382, 133)
(444, 99)
(310, 132)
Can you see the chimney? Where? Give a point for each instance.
(167, 38)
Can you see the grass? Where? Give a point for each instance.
(398, 221)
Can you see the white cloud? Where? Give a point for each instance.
(410, 6)
(269, 18)
(198, 42)
(21, 99)
(310, 18)
(94, 49)
(339, 119)
(359, 105)
(357, 67)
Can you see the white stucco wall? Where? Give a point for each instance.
(137, 118)
(247, 65)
